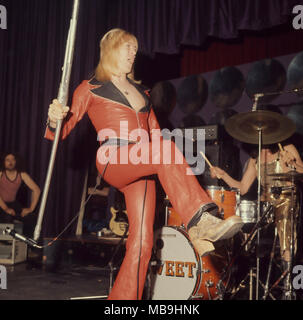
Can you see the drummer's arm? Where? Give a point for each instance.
(243, 185)
(249, 176)
(297, 163)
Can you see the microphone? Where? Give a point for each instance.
(20, 237)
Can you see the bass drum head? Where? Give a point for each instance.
(176, 275)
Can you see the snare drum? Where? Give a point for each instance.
(248, 211)
(225, 199)
(180, 273)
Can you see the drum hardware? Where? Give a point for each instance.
(199, 296)
(291, 176)
(205, 270)
(276, 191)
(290, 294)
(221, 289)
(272, 254)
(209, 284)
(222, 197)
(247, 246)
(166, 204)
(259, 127)
(283, 275)
(251, 235)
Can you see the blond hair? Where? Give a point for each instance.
(109, 45)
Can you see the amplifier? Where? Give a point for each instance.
(12, 252)
(211, 132)
(225, 156)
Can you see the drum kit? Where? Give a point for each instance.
(176, 269)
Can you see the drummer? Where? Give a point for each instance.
(274, 159)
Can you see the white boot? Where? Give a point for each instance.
(209, 229)
(213, 229)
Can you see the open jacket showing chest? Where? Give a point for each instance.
(108, 109)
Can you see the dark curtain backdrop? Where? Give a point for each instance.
(165, 25)
(250, 46)
(31, 57)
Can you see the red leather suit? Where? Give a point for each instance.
(106, 107)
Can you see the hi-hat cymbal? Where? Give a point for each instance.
(292, 174)
(274, 127)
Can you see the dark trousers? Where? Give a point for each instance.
(29, 221)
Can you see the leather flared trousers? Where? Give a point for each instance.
(134, 180)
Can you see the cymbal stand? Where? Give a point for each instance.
(259, 129)
(258, 214)
(257, 229)
(247, 244)
(290, 294)
(272, 254)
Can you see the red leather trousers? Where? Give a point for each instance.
(182, 189)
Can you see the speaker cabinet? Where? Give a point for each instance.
(225, 156)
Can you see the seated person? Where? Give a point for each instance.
(11, 178)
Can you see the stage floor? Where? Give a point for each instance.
(76, 270)
(76, 282)
(73, 268)
(25, 282)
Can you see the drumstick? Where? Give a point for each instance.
(204, 156)
(208, 162)
(279, 144)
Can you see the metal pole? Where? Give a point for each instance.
(62, 98)
(272, 254)
(290, 295)
(258, 211)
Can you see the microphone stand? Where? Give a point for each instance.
(258, 215)
(62, 98)
(258, 95)
(256, 98)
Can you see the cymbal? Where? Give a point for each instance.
(292, 174)
(245, 127)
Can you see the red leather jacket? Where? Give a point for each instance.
(107, 107)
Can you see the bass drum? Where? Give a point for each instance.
(178, 272)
